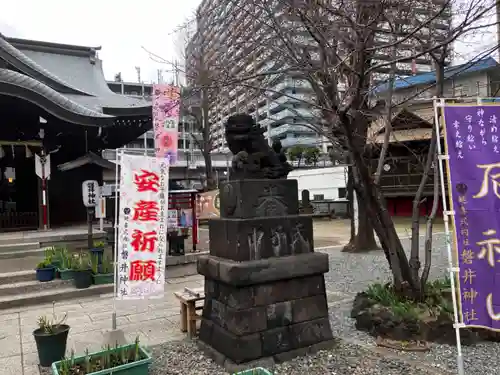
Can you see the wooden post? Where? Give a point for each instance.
(90, 241)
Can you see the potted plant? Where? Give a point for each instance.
(98, 251)
(103, 274)
(51, 337)
(55, 254)
(131, 359)
(82, 272)
(65, 271)
(45, 271)
(58, 254)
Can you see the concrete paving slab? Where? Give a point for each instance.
(91, 340)
(29, 359)
(155, 331)
(154, 321)
(10, 345)
(10, 327)
(8, 316)
(11, 365)
(151, 314)
(31, 370)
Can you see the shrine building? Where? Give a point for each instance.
(55, 102)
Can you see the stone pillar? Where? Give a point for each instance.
(306, 206)
(264, 287)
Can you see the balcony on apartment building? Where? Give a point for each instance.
(289, 116)
(185, 158)
(293, 139)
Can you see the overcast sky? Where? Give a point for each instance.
(120, 27)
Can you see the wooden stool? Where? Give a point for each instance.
(188, 298)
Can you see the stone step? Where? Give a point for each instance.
(17, 277)
(52, 295)
(22, 254)
(48, 238)
(19, 246)
(32, 286)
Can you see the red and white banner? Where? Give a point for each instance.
(166, 109)
(142, 230)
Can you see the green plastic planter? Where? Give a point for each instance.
(254, 371)
(140, 367)
(100, 279)
(66, 274)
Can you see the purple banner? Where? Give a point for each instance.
(473, 145)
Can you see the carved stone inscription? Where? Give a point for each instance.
(254, 239)
(300, 242)
(258, 199)
(279, 241)
(271, 203)
(255, 244)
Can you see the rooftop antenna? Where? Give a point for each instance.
(138, 70)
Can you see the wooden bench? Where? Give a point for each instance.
(188, 298)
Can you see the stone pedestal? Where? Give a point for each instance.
(264, 287)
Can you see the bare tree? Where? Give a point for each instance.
(330, 42)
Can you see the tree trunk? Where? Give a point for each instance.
(372, 199)
(415, 225)
(362, 239)
(211, 183)
(428, 229)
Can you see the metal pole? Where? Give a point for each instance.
(446, 215)
(102, 207)
(43, 161)
(115, 335)
(117, 202)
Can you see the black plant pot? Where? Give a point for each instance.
(82, 278)
(51, 347)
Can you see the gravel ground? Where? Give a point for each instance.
(352, 273)
(181, 358)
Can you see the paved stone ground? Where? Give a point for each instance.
(154, 322)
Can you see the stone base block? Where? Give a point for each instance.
(260, 238)
(265, 362)
(262, 271)
(262, 198)
(268, 343)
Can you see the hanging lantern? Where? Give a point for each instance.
(10, 174)
(29, 154)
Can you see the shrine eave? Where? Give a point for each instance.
(89, 158)
(24, 64)
(21, 86)
(38, 72)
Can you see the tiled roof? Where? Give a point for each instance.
(428, 78)
(65, 76)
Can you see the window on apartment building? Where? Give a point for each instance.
(342, 192)
(318, 197)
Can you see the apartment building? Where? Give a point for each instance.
(436, 28)
(227, 35)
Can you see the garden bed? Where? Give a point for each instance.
(381, 313)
